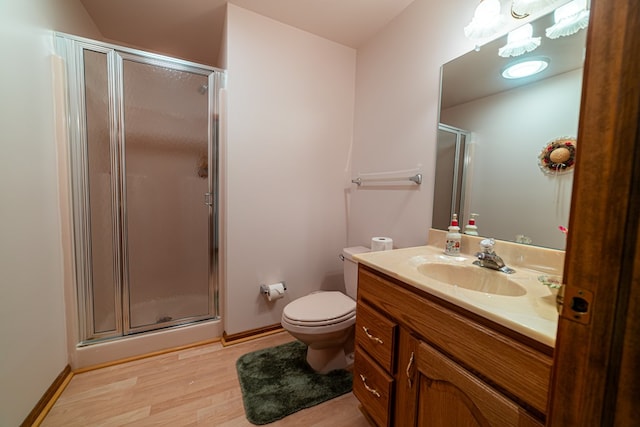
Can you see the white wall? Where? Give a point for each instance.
(32, 316)
(505, 158)
(290, 98)
(397, 92)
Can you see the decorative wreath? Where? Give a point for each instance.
(558, 156)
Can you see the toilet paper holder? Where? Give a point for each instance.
(264, 289)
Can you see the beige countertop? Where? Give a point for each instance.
(531, 310)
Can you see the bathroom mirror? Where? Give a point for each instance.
(491, 135)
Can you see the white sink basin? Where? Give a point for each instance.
(473, 278)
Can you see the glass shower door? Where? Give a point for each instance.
(451, 155)
(143, 139)
(165, 188)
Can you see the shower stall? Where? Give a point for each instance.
(143, 135)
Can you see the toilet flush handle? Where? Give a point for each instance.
(341, 257)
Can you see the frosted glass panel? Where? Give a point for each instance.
(100, 191)
(166, 179)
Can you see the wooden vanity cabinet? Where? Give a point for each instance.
(441, 366)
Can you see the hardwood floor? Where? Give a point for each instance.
(192, 387)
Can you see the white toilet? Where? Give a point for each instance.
(325, 321)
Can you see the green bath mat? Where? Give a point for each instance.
(277, 382)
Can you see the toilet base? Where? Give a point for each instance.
(325, 360)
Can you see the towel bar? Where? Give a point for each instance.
(417, 178)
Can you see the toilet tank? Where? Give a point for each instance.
(350, 267)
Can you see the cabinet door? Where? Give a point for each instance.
(450, 396)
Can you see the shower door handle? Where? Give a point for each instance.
(208, 199)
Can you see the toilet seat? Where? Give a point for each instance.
(320, 309)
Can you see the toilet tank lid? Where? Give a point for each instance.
(348, 253)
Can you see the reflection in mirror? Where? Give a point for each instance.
(450, 174)
(506, 124)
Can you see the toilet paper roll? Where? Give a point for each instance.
(276, 291)
(381, 244)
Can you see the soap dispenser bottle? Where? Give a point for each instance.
(453, 238)
(471, 228)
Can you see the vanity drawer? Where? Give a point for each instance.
(376, 335)
(372, 387)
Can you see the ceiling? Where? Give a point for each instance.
(192, 29)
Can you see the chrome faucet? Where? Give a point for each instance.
(487, 257)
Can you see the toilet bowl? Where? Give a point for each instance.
(325, 320)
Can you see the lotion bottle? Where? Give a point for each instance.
(453, 238)
(471, 228)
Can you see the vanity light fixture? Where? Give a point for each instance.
(519, 41)
(525, 67)
(486, 22)
(569, 19)
(522, 8)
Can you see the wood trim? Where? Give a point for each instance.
(602, 257)
(49, 397)
(144, 356)
(628, 392)
(250, 335)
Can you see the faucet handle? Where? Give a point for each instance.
(486, 245)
